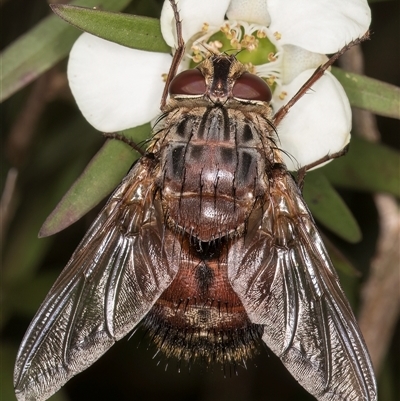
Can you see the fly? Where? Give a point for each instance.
(209, 243)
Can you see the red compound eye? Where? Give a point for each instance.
(189, 82)
(251, 87)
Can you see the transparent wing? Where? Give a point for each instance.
(112, 280)
(286, 282)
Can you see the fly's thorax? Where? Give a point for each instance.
(212, 169)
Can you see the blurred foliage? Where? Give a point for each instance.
(47, 141)
(41, 47)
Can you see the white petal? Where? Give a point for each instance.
(321, 26)
(193, 14)
(255, 11)
(318, 124)
(116, 87)
(296, 60)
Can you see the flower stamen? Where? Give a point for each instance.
(257, 47)
(261, 34)
(249, 42)
(282, 95)
(272, 57)
(250, 67)
(271, 80)
(214, 46)
(235, 44)
(277, 35)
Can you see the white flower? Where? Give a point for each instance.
(118, 88)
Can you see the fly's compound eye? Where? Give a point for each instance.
(251, 87)
(189, 82)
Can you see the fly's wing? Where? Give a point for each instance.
(112, 280)
(286, 282)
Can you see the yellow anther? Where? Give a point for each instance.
(205, 27)
(261, 34)
(282, 95)
(272, 57)
(277, 35)
(197, 58)
(270, 80)
(225, 28)
(250, 38)
(235, 44)
(214, 46)
(252, 46)
(250, 67)
(230, 35)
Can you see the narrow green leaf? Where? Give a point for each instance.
(20, 266)
(42, 47)
(348, 274)
(7, 358)
(368, 166)
(370, 94)
(100, 177)
(328, 207)
(339, 260)
(133, 31)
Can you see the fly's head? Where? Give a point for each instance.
(221, 80)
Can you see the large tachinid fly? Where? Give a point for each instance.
(209, 243)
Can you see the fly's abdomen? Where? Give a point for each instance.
(199, 316)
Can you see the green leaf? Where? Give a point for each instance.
(370, 94)
(348, 274)
(7, 358)
(19, 266)
(42, 47)
(328, 207)
(339, 260)
(133, 31)
(368, 166)
(104, 172)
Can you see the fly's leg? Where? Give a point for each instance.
(122, 138)
(171, 74)
(180, 50)
(301, 173)
(318, 73)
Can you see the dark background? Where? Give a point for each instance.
(60, 143)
